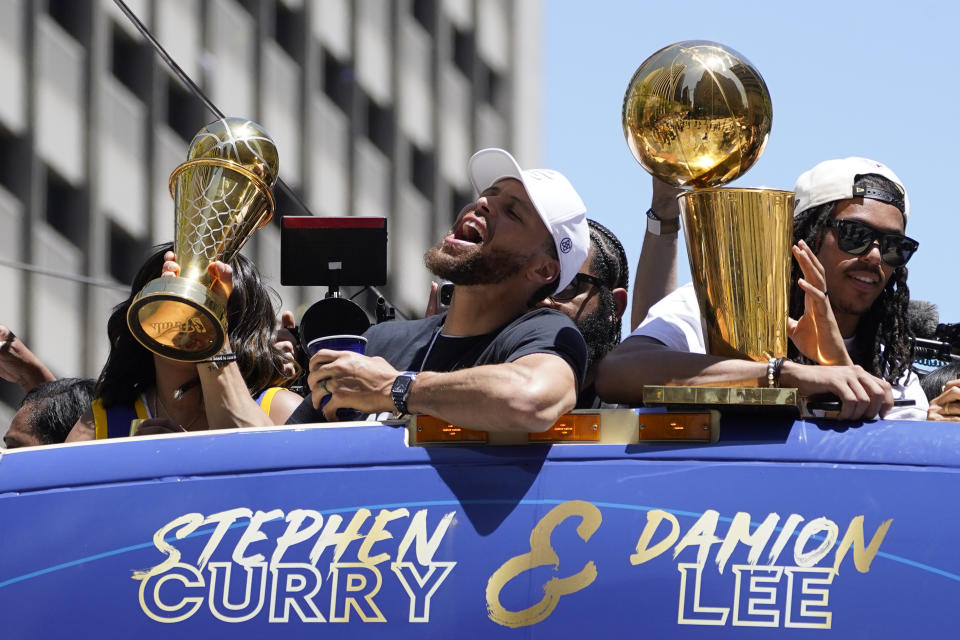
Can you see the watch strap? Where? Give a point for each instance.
(660, 227)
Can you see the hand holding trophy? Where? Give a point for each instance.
(222, 195)
(697, 114)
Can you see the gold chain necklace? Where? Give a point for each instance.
(156, 399)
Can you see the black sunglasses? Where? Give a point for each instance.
(857, 238)
(577, 286)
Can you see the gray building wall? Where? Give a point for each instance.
(375, 106)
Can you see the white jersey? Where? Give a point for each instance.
(675, 322)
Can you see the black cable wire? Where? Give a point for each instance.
(196, 91)
(23, 266)
(192, 86)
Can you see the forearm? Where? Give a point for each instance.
(227, 400)
(622, 375)
(33, 374)
(20, 365)
(495, 397)
(656, 274)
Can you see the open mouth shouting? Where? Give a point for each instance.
(471, 230)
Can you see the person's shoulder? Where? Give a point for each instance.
(674, 321)
(683, 298)
(543, 317)
(541, 330)
(403, 327)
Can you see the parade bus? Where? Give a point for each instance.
(624, 523)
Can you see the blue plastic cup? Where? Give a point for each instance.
(357, 344)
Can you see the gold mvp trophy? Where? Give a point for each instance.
(222, 195)
(697, 114)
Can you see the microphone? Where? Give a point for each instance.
(949, 333)
(929, 346)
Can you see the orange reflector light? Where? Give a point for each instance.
(571, 427)
(433, 430)
(675, 426)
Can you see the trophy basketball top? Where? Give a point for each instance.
(241, 141)
(697, 114)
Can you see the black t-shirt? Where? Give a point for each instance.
(418, 345)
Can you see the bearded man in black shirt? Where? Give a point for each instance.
(493, 361)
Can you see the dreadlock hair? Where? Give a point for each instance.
(884, 339)
(610, 265)
(251, 325)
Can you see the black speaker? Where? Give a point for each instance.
(348, 251)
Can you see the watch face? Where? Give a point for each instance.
(401, 384)
(401, 389)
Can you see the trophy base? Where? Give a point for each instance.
(726, 399)
(178, 319)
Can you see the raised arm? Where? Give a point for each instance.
(656, 273)
(226, 399)
(18, 364)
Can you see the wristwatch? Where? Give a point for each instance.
(400, 390)
(660, 227)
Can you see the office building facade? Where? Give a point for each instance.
(375, 106)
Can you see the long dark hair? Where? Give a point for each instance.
(251, 325)
(884, 339)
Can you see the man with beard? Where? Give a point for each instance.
(595, 300)
(493, 361)
(849, 292)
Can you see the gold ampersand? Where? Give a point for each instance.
(541, 553)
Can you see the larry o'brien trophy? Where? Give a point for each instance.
(222, 195)
(697, 114)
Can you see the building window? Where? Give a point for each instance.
(66, 209)
(130, 62)
(425, 12)
(252, 7)
(289, 30)
(186, 114)
(126, 254)
(15, 158)
(379, 123)
(491, 88)
(422, 171)
(72, 15)
(463, 51)
(337, 81)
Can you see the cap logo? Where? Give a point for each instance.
(566, 245)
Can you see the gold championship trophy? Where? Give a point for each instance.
(222, 195)
(697, 114)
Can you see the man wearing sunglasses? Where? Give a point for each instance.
(849, 297)
(492, 361)
(595, 301)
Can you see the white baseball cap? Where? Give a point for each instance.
(554, 198)
(833, 180)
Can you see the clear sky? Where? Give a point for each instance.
(876, 79)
